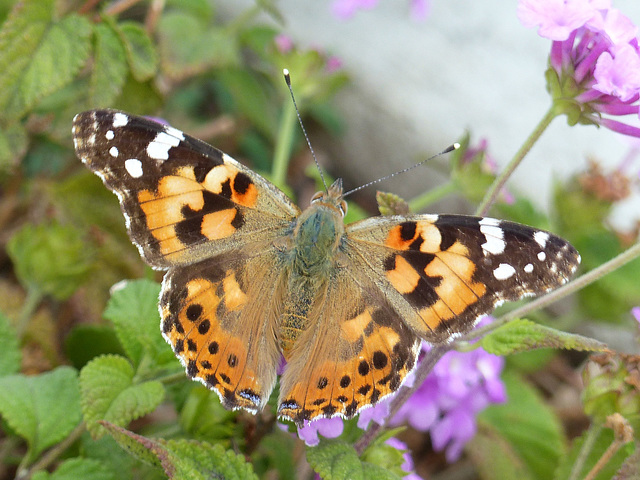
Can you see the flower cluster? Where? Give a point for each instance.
(594, 60)
(346, 9)
(460, 386)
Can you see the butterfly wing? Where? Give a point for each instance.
(442, 272)
(356, 351)
(211, 222)
(183, 199)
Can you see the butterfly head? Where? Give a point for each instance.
(332, 198)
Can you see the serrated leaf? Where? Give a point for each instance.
(109, 69)
(133, 309)
(140, 50)
(13, 145)
(189, 45)
(181, 459)
(522, 335)
(598, 444)
(109, 393)
(42, 409)
(51, 259)
(51, 55)
(76, 468)
(528, 425)
(10, 354)
(19, 38)
(338, 460)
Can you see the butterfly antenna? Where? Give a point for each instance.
(450, 148)
(287, 78)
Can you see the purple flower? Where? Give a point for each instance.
(635, 311)
(420, 9)
(407, 466)
(446, 404)
(327, 427)
(594, 61)
(283, 42)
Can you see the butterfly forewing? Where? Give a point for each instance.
(443, 272)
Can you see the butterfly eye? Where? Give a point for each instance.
(317, 196)
(343, 207)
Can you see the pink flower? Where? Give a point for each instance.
(283, 42)
(327, 427)
(594, 58)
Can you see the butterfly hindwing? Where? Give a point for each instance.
(183, 199)
(442, 272)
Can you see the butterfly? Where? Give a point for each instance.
(251, 278)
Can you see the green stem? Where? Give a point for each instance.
(53, 454)
(31, 302)
(496, 187)
(283, 145)
(585, 450)
(588, 278)
(427, 198)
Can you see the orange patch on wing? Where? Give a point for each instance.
(234, 297)
(352, 329)
(218, 176)
(247, 199)
(403, 277)
(218, 225)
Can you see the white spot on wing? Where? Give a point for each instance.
(528, 268)
(134, 167)
(120, 120)
(109, 135)
(504, 271)
(113, 151)
(158, 149)
(495, 243)
(541, 238)
(542, 256)
(174, 132)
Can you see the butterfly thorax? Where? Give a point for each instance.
(312, 258)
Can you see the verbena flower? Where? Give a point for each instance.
(407, 466)
(446, 404)
(327, 427)
(594, 71)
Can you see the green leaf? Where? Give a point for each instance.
(13, 145)
(338, 460)
(181, 459)
(133, 309)
(597, 440)
(189, 45)
(110, 393)
(109, 69)
(10, 354)
(42, 409)
(529, 428)
(76, 468)
(205, 418)
(521, 335)
(41, 57)
(495, 457)
(141, 53)
(51, 259)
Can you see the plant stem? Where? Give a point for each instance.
(496, 187)
(31, 302)
(283, 145)
(604, 459)
(427, 198)
(583, 454)
(52, 455)
(588, 278)
(423, 370)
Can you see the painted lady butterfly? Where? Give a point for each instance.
(250, 277)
